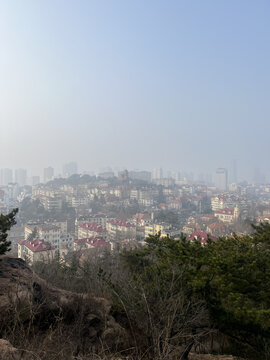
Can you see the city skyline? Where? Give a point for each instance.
(134, 180)
(135, 85)
(25, 177)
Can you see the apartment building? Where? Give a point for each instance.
(90, 229)
(48, 233)
(154, 228)
(88, 243)
(51, 203)
(144, 197)
(119, 230)
(35, 250)
(201, 236)
(226, 215)
(222, 201)
(76, 201)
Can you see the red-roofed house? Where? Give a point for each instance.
(141, 218)
(202, 236)
(225, 215)
(89, 229)
(88, 243)
(47, 232)
(206, 218)
(119, 229)
(175, 204)
(163, 206)
(35, 250)
(217, 229)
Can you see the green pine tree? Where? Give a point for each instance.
(6, 222)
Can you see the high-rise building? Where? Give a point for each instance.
(234, 172)
(48, 174)
(176, 176)
(201, 177)
(35, 180)
(70, 169)
(208, 179)
(259, 177)
(221, 179)
(21, 176)
(6, 176)
(13, 192)
(140, 175)
(106, 175)
(157, 174)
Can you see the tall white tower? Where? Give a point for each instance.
(221, 180)
(157, 174)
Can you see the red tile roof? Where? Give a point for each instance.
(225, 211)
(141, 216)
(94, 241)
(202, 236)
(163, 206)
(121, 222)
(92, 227)
(37, 245)
(216, 226)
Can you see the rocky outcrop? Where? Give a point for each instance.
(211, 357)
(27, 301)
(44, 322)
(8, 352)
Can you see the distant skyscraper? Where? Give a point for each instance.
(21, 176)
(35, 180)
(201, 178)
(235, 172)
(48, 174)
(106, 175)
(13, 191)
(169, 174)
(140, 175)
(208, 179)
(157, 174)
(221, 179)
(6, 176)
(176, 176)
(70, 169)
(258, 178)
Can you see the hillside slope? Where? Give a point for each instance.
(34, 314)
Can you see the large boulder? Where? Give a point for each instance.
(211, 357)
(31, 309)
(8, 352)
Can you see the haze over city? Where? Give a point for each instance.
(138, 85)
(134, 179)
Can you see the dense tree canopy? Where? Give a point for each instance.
(175, 294)
(6, 222)
(231, 276)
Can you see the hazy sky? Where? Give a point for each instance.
(140, 84)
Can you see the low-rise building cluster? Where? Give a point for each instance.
(105, 211)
